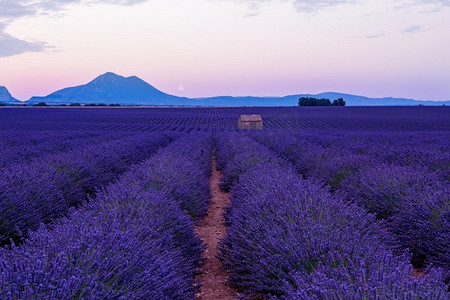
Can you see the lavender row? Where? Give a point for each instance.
(413, 149)
(406, 119)
(290, 238)
(133, 242)
(46, 189)
(416, 205)
(413, 199)
(182, 171)
(25, 146)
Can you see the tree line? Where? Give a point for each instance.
(309, 101)
(77, 104)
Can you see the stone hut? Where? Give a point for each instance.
(252, 122)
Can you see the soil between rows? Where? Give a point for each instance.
(211, 229)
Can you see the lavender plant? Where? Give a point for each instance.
(289, 238)
(41, 191)
(133, 241)
(411, 193)
(126, 244)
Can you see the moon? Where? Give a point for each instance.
(181, 88)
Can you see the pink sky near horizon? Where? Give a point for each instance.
(201, 48)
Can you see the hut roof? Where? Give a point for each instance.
(250, 118)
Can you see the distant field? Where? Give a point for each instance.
(178, 203)
(188, 119)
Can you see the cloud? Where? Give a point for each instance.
(120, 2)
(11, 10)
(413, 29)
(374, 36)
(15, 9)
(301, 6)
(253, 6)
(439, 2)
(13, 46)
(312, 6)
(428, 6)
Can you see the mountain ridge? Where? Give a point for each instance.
(6, 97)
(111, 88)
(292, 100)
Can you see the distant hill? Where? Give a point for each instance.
(354, 100)
(111, 88)
(5, 96)
(292, 100)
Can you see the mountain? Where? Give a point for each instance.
(292, 100)
(5, 96)
(112, 88)
(354, 100)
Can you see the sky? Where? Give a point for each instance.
(202, 48)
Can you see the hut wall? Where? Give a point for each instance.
(258, 125)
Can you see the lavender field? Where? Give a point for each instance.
(323, 203)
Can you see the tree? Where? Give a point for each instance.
(75, 104)
(323, 102)
(40, 104)
(309, 101)
(338, 102)
(305, 101)
(2, 104)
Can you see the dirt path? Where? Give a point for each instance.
(211, 229)
(418, 272)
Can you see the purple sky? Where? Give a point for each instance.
(205, 48)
